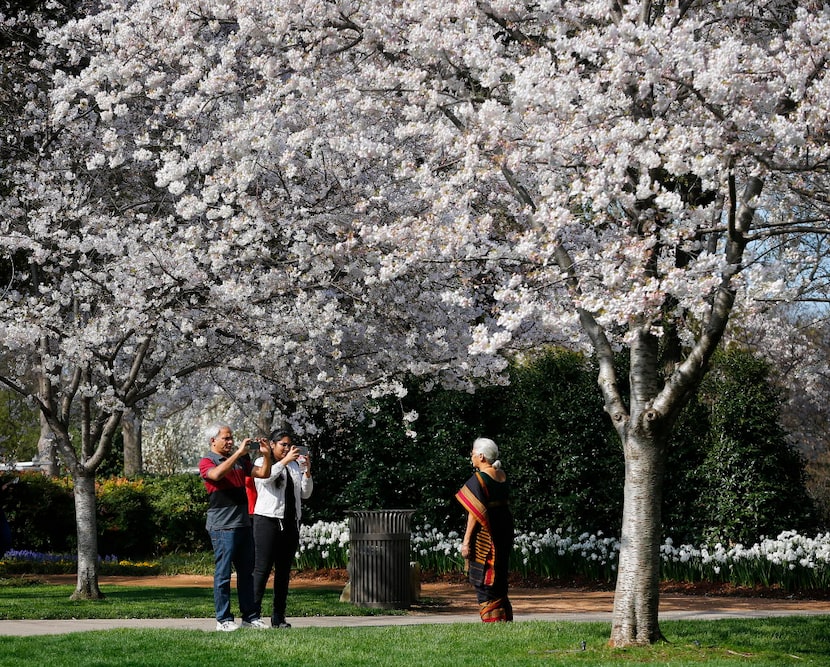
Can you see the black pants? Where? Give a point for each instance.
(276, 546)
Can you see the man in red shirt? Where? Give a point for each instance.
(224, 470)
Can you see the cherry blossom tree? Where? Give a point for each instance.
(360, 190)
(629, 169)
(150, 265)
(658, 152)
(96, 314)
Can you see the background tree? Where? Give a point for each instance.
(147, 259)
(84, 336)
(612, 160)
(18, 429)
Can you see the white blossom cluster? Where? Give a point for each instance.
(311, 192)
(789, 556)
(323, 544)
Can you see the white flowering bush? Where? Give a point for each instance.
(436, 552)
(324, 544)
(790, 561)
(559, 554)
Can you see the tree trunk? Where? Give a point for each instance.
(131, 434)
(87, 527)
(47, 451)
(634, 621)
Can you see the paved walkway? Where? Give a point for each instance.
(37, 627)
(32, 628)
(538, 604)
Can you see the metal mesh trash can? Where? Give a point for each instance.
(379, 554)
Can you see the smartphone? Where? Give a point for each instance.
(302, 459)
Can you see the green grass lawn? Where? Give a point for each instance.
(774, 642)
(52, 602)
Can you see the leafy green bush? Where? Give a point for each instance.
(125, 527)
(178, 508)
(557, 446)
(136, 518)
(41, 512)
(564, 460)
(730, 473)
(752, 480)
(19, 428)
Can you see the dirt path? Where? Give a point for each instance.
(453, 597)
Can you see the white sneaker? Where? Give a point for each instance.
(256, 623)
(226, 626)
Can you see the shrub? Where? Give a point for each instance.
(125, 526)
(41, 512)
(178, 508)
(752, 481)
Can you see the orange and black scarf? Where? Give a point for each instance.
(473, 497)
(494, 605)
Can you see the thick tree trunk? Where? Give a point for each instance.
(634, 620)
(47, 451)
(87, 528)
(131, 434)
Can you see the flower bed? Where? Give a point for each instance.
(33, 562)
(789, 561)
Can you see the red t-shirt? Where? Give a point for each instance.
(227, 501)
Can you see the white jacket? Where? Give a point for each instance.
(270, 499)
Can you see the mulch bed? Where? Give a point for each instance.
(699, 588)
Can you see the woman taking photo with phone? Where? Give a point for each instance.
(277, 514)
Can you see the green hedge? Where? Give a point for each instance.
(41, 513)
(136, 518)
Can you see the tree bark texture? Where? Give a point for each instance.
(636, 599)
(131, 434)
(47, 451)
(87, 528)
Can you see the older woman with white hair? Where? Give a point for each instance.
(488, 539)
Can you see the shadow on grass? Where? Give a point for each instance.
(52, 602)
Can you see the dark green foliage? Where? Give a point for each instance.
(124, 520)
(751, 481)
(730, 475)
(152, 516)
(178, 508)
(113, 463)
(563, 459)
(371, 463)
(41, 512)
(682, 519)
(136, 518)
(19, 428)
